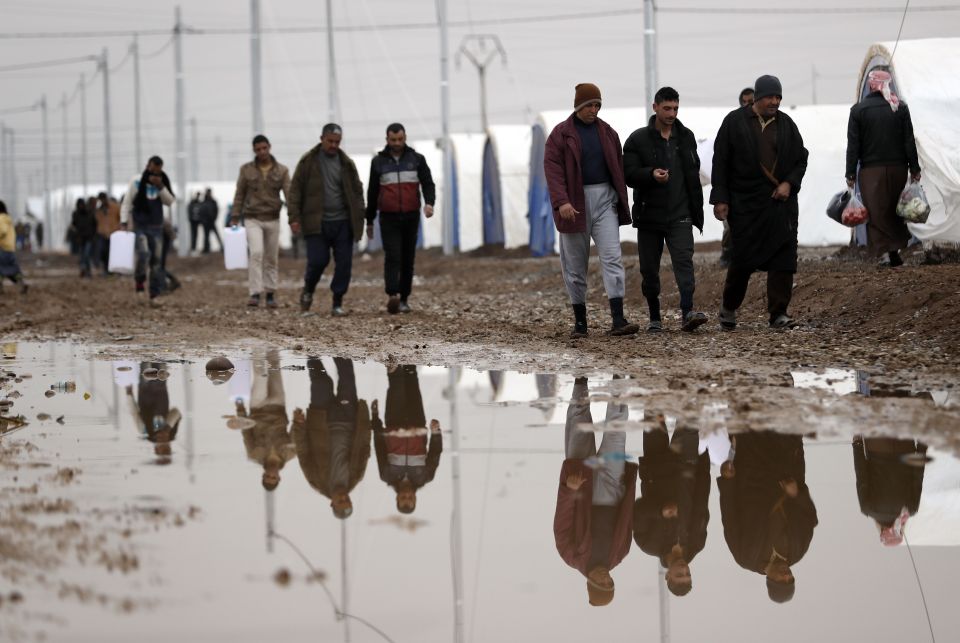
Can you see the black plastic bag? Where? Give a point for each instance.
(838, 204)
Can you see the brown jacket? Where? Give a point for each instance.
(312, 440)
(305, 203)
(108, 219)
(259, 198)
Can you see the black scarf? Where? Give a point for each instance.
(140, 201)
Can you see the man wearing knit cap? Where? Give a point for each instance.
(758, 163)
(880, 139)
(583, 163)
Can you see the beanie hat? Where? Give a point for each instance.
(598, 596)
(767, 86)
(780, 592)
(585, 93)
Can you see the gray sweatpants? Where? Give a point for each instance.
(580, 443)
(603, 226)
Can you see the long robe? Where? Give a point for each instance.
(763, 230)
(886, 482)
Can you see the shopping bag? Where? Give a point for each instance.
(913, 205)
(235, 248)
(122, 252)
(838, 203)
(854, 213)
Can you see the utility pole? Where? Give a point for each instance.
(650, 50)
(194, 152)
(83, 133)
(5, 159)
(183, 240)
(447, 211)
(108, 178)
(813, 83)
(65, 161)
(255, 67)
(47, 215)
(135, 50)
(331, 68)
(475, 48)
(14, 183)
(218, 150)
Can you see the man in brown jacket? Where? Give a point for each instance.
(257, 200)
(326, 205)
(108, 222)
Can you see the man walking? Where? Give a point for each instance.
(660, 163)
(209, 209)
(397, 176)
(583, 163)
(257, 200)
(326, 206)
(144, 202)
(194, 217)
(108, 222)
(880, 138)
(758, 163)
(745, 98)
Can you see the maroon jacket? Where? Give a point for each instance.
(561, 165)
(571, 523)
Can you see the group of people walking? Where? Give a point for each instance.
(92, 222)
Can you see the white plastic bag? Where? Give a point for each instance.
(122, 252)
(913, 205)
(235, 248)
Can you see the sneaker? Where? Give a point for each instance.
(173, 284)
(579, 331)
(156, 302)
(622, 327)
(692, 321)
(403, 308)
(338, 311)
(254, 300)
(782, 322)
(393, 304)
(655, 326)
(728, 319)
(140, 287)
(306, 298)
(271, 302)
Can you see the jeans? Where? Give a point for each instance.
(149, 245)
(399, 233)
(678, 237)
(85, 248)
(336, 235)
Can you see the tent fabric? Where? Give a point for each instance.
(923, 73)
(543, 234)
(506, 182)
(468, 166)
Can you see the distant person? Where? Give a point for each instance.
(593, 521)
(152, 415)
(880, 139)
(746, 97)
(408, 453)
(195, 218)
(83, 226)
(889, 475)
(268, 442)
(326, 207)
(398, 175)
(583, 163)
(39, 232)
(333, 438)
(758, 164)
(767, 512)
(9, 267)
(209, 209)
(143, 204)
(108, 222)
(258, 202)
(660, 163)
(670, 518)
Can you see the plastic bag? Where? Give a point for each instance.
(837, 204)
(913, 205)
(854, 213)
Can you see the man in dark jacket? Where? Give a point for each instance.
(583, 164)
(670, 518)
(408, 454)
(591, 525)
(209, 210)
(767, 512)
(397, 176)
(143, 204)
(333, 440)
(880, 138)
(326, 206)
(758, 163)
(660, 163)
(889, 482)
(83, 225)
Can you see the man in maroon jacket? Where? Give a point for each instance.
(583, 163)
(593, 522)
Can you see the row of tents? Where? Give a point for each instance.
(497, 193)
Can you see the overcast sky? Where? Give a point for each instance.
(393, 74)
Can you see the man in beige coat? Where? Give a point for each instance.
(257, 200)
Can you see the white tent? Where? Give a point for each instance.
(467, 187)
(506, 181)
(431, 229)
(924, 75)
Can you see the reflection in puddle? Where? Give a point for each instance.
(449, 537)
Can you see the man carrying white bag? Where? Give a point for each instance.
(257, 201)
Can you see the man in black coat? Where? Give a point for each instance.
(660, 163)
(889, 482)
(758, 163)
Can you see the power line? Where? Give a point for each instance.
(48, 63)
(18, 110)
(154, 54)
(900, 31)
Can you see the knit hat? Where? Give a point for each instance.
(767, 86)
(780, 592)
(598, 596)
(585, 93)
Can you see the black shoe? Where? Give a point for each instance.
(254, 300)
(174, 284)
(782, 322)
(393, 304)
(655, 326)
(403, 307)
(579, 331)
(622, 327)
(728, 319)
(692, 321)
(306, 298)
(271, 302)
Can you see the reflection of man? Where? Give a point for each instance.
(152, 415)
(333, 440)
(407, 453)
(889, 482)
(268, 442)
(768, 514)
(594, 513)
(670, 518)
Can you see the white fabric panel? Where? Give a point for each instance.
(432, 228)
(511, 144)
(468, 154)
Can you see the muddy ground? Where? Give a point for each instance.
(508, 310)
